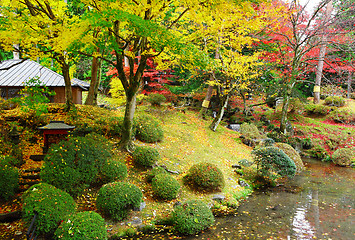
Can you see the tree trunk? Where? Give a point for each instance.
(245, 110)
(207, 100)
(69, 105)
(284, 111)
(126, 140)
(94, 82)
(219, 117)
(98, 82)
(322, 51)
(349, 84)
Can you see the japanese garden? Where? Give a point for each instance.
(171, 119)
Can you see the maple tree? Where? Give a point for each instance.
(291, 42)
(42, 29)
(225, 34)
(146, 29)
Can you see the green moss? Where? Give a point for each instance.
(155, 171)
(335, 101)
(148, 129)
(117, 198)
(83, 225)
(343, 156)
(51, 204)
(205, 176)
(9, 178)
(192, 217)
(145, 156)
(165, 186)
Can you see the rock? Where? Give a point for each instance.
(177, 203)
(218, 197)
(237, 166)
(247, 141)
(243, 183)
(135, 221)
(263, 118)
(289, 128)
(234, 127)
(168, 170)
(245, 163)
(141, 207)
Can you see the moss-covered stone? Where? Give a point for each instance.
(343, 156)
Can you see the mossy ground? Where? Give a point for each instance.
(187, 140)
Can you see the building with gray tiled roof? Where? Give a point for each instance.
(19, 71)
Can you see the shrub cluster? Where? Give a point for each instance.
(345, 116)
(192, 217)
(292, 153)
(51, 204)
(117, 198)
(156, 99)
(273, 163)
(145, 156)
(112, 171)
(83, 225)
(9, 178)
(155, 171)
(344, 156)
(318, 152)
(331, 90)
(74, 164)
(165, 186)
(205, 176)
(318, 109)
(148, 129)
(249, 130)
(335, 101)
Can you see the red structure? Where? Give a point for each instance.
(54, 132)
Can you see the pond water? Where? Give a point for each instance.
(318, 204)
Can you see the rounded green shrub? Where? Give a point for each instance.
(192, 217)
(250, 131)
(335, 101)
(317, 109)
(145, 156)
(292, 153)
(73, 165)
(343, 156)
(9, 178)
(112, 171)
(156, 99)
(273, 163)
(155, 171)
(51, 204)
(148, 129)
(83, 225)
(117, 198)
(206, 176)
(345, 116)
(318, 152)
(165, 186)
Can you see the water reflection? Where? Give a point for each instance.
(322, 209)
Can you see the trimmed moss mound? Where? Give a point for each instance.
(344, 156)
(292, 153)
(192, 217)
